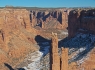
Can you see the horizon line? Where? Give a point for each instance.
(48, 7)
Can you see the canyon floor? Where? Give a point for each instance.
(81, 53)
(40, 60)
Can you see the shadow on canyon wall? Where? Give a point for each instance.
(81, 43)
(41, 15)
(43, 43)
(76, 44)
(81, 46)
(40, 40)
(10, 67)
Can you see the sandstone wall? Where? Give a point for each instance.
(16, 36)
(81, 21)
(55, 56)
(64, 59)
(59, 62)
(51, 19)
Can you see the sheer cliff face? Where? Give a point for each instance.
(49, 19)
(72, 23)
(88, 20)
(81, 21)
(16, 36)
(16, 17)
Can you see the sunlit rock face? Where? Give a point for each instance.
(81, 19)
(16, 36)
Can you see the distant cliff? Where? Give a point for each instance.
(81, 21)
(49, 18)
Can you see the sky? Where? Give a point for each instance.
(48, 3)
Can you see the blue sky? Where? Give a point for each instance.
(48, 3)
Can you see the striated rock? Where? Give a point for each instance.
(81, 19)
(64, 19)
(55, 56)
(42, 24)
(81, 51)
(64, 59)
(60, 18)
(72, 23)
(16, 36)
(59, 63)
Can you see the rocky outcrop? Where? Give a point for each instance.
(16, 36)
(64, 19)
(58, 62)
(64, 58)
(51, 19)
(81, 24)
(72, 23)
(81, 21)
(81, 51)
(89, 63)
(55, 56)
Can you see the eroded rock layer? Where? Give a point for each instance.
(49, 18)
(16, 36)
(81, 21)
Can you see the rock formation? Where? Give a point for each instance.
(16, 39)
(55, 56)
(64, 59)
(81, 21)
(56, 64)
(52, 19)
(17, 35)
(64, 19)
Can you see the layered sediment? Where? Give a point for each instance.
(81, 21)
(49, 18)
(15, 35)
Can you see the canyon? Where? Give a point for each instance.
(82, 20)
(47, 39)
(49, 19)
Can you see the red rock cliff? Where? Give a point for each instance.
(81, 21)
(51, 19)
(16, 36)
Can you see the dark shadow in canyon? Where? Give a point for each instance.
(46, 16)
(39, 39)
(60, 17)
(20, 68)
(7, 65)
(76, 22)
(10, 67)
(76, 47)
(41, 15)
(43, 43)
